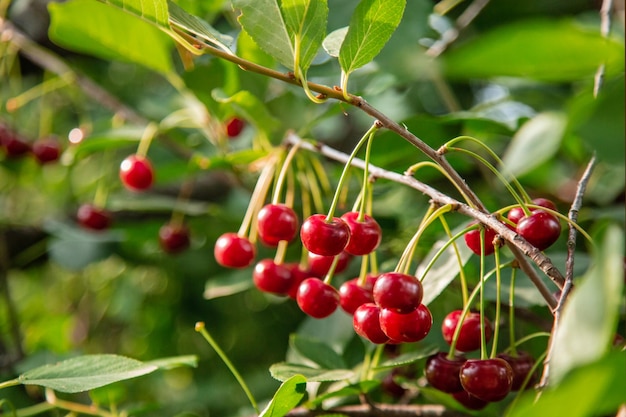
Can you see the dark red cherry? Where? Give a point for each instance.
(487, 379)
(92, 217)
(268, 276)
(136, 173)
(174, 238)
(352, 295)
(322, 237)
(365, 235)
(366, 323)
(521, 364)
(319, 265)
(277, 222)
(234, 126)
(442, 372)
(469, 401)
(472, 240)
(517, 213)
(470, 335)
(316, 298)
(234, 251)
(14, 145)
(406, 328)
(541, 229)
(390, 386)
(397, 291)
(298, 274)
(46, 150)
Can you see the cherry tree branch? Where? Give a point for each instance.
(378, 410)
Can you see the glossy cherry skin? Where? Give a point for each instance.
(365, 236)
(397, 291)
(324, 238)
(136, 173)
(319, 265)
(234, 126)
(541, 229)
(352, 295)
(276, 222)
(366, 323)
(174, 238)
(487, 379)
(234, 251)
(517, 213)
(93, 218)
(521, 364)
(472, 240)
(469, 337)
(406, 328)
(271, 277)
(316, 298)
(442, 372)
(469, 401)
(298, 274)
(46, 150)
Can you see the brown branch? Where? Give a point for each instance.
(381, 410)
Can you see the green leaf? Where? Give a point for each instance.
(595, 389)
(306, 21)
(408, 358)
(154, 11)
(86, 372)
(251, 108)
(589, 318)
(317, 351)
(541, 49)
(93, 28)
(175, 362)
(283, 371)
(332, 42)
(359, 388)
(227, 284)
(371, 26)
(534, 143)
(286, 398)
(198, 27)
(263, 21)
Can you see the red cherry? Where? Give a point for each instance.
(174, 238)
(390, 386)
(352, 295)
(442, 372)
(517, 213)
(234, 126)
(319, 265)
(469, 401)
(316, 298)
(136, 173)
(277, 222)
(472, 240)
(365, 235)
(271, 277)
(324, 238)
(14, 146)
(366, 323)
(396, 291)
(297, 276)
(234, 251)
(541, 229)
(487, 379)
(92, 217)
(521, 364)
(469, 337)
(406, 328)
(46, 150)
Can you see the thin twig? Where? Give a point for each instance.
(386, 410)
(605, 29)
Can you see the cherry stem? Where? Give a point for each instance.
(346, 167)
(257, 198)
(483, 338)
(414, 168)
(331, 271)
(496, 324)
(451, 241)
(512, 312)
(378, 353)
(200, 328)
(363, 272)
(373, 263)
(522, 388)
(281, 251)
(100, 198)
(366, 184)
(457, 253)
(146, 138)
(283, 172)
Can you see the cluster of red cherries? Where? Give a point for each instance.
(45, 150)
(137, 175)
